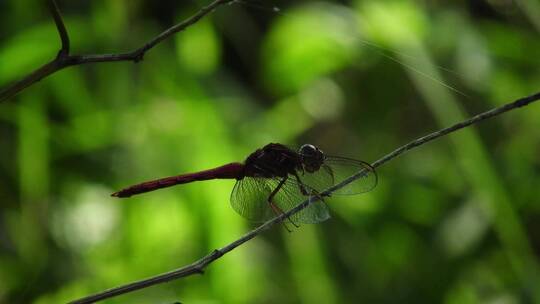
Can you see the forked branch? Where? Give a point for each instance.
(199, 266)
(64, 59)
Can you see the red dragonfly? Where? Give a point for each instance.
(275, 178)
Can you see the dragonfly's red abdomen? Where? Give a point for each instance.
(228, 171)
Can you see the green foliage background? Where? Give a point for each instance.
(456, 221)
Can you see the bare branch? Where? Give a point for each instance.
(485, 115)
(55, 12)
(64, 60)
(44, 71)
(199, 266)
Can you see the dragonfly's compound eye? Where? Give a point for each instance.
(312, 157)
(307, 150)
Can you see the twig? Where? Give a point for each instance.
(55, 12)
(200, 265)
(485, 115)
(64, 59)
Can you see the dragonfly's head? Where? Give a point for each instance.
(312, 157)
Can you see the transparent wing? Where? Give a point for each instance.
(291, 194)
(319, 180)
(336, 170)
(249, 198)
(342, 169)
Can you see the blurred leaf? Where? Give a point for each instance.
(473, 60)
(309, 269)
(462, 294)
(27, 51)
(307, 43)
(90, 131)
(34, 47)
(398, 245)
(463, 229)
(198, 49)
(508, 44)
(393, 23)
(420, 204)
(109, 19)
(75, 99)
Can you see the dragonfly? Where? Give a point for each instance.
(275, 178)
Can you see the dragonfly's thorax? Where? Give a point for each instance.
(273, 160)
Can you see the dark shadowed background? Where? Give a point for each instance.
(456, 221)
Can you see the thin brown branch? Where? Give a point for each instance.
(199, 266)
(485, 115)
(64, 59)
(44, 71)
(55, 12)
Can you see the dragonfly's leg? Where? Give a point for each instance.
(301, 186)
(277, 212)
(280, 211)
(303, 190)
(276, 207)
